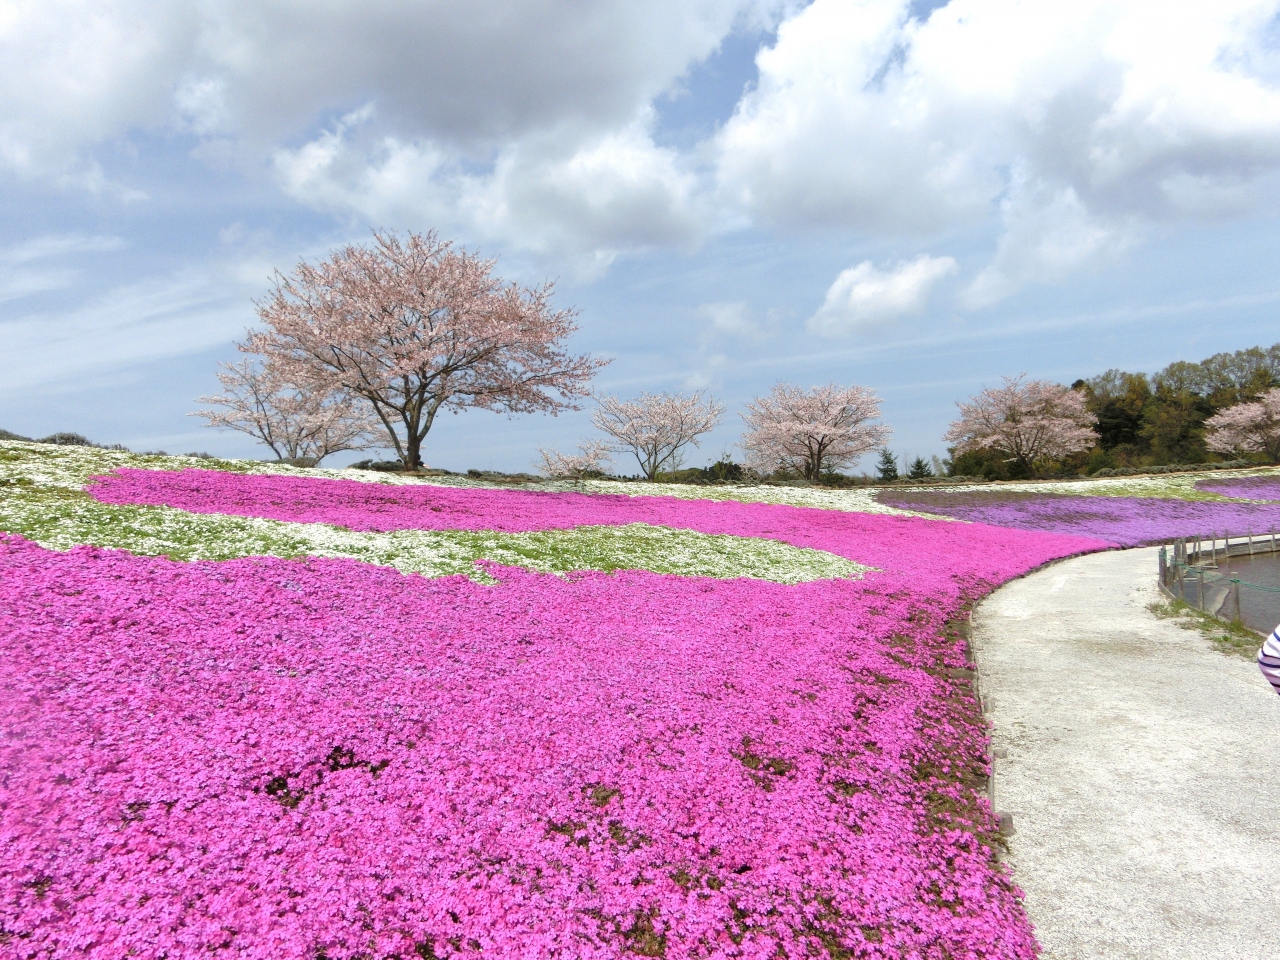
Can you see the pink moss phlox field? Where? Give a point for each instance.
(1127, 521)
(279, 759)
(1245, 488)
(902, 544)
(266, 758)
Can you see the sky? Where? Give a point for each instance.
(919, 197)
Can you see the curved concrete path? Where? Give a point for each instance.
(1141, 766)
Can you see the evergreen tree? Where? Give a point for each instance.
(887, 467)
(920, 469)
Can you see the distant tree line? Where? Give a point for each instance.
(1152, 420)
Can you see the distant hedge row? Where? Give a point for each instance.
(1173, 468)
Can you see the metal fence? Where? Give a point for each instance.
(1189, 572)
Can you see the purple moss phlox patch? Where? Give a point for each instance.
(1245, 488)
(1128, 521)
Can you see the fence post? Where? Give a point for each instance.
(1200, 590)
(1235, 601)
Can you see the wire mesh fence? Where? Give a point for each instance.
(1217, 576)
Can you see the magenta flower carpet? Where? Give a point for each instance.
(266, 758)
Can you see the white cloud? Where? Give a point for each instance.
(864, 296)
(201, 103)
(730, 317)
(530, 123)
(472, 74)
(161, 317)
(58, 245)
(81, 72)
(1115, 111)
(524, 120)
(1048, 235)
(24, 270)
(584, 200)
(16, 284)
(616, 191)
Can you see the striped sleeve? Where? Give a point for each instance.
(1269, 659)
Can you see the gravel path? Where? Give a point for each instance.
(1141, 766)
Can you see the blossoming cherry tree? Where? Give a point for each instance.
(656, 427)
(1248, 427)
(590, 458)
(294, 421)
(1033, 421)
(417, 326)
(810, 431)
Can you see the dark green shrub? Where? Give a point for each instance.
(68, 440)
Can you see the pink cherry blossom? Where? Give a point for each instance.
(809, 431)
(1032, 421)
(656, 427)
(1248, 427)
(295, 422)
(415, 327)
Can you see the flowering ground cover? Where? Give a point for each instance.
(323, 758)
(1128, 521)
(288, 758)
(1244, 488)
(372, 507)
(41, 499)
(879, 541)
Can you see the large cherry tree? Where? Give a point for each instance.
(1032, 421)
(812, 431)
(1248, 427)
(296, 422)
(417, 326)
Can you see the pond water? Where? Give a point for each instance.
(1259, 588)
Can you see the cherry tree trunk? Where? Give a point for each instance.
(413, 451)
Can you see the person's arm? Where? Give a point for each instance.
(1269, 659)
